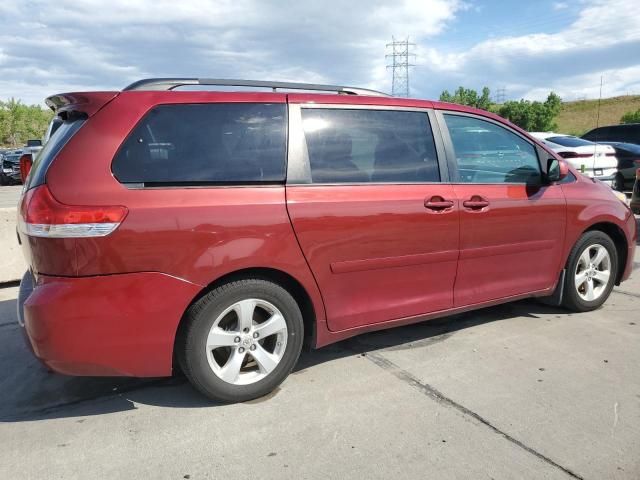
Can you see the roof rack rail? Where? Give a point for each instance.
(171, 83)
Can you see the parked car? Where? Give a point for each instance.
(628, 155)
(595, 160)
(10, 168)
(220, 231)
(626, 133)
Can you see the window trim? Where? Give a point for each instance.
(298, 165)
(203, 184)
(450, 151)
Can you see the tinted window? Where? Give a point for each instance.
(53, 146)
(596, 134)
(360, 146)
(488, 153)
(205, 144)
(566, 141)
(615, 133)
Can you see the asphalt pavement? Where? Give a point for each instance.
(9, 195)
(516, 391)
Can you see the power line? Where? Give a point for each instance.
(400, 53)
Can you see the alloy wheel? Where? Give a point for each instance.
(593, 272)
(246, 341)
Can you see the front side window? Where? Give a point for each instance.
(488, 153)
(363, 146)
(203, 144)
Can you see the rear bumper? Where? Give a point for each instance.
(108, 325)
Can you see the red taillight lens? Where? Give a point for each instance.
(26, 161)
(44, 216)
(638, 174)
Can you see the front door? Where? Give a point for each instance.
(379, 230)
(512, 225)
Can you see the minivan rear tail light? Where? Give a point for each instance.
(26, 161)
(638, 174)
(44, 216)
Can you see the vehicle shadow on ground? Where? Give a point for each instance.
(31, 393)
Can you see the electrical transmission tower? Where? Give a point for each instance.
(501, 95)
(400, 54)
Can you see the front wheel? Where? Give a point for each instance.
(591, 272)
(241, 340)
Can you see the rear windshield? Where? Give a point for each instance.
(569, 141)
(53, 146)
(205, 144)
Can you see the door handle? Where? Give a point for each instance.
(438, 204)
(476, 203)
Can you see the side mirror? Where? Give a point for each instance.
(557, 170)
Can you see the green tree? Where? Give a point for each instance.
(533, 116)
(631, 117)
(468, 97)
(20, 122)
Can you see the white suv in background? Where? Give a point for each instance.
(592, 159)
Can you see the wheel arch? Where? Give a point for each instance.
(620, 241)
(284, 279)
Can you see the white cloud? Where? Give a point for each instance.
(560, 5)
(603, 38)
(81, 44)
(47, 47)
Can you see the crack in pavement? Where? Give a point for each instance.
(623, 292)
(439, 397)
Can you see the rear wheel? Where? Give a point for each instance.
(618, 183)
(591, 272)
(241, 340)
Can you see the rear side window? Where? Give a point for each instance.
(205, 144)
(488, 153)
(363, 146)
(52, 147)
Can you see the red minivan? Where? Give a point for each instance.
(220, 231)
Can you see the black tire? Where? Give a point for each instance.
(618, 183)
(3, 180)
(571, 297)
(192, 354)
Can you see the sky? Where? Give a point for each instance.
(528, 48)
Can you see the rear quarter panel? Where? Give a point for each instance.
(197, 234)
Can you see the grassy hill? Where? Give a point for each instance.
(578, 117)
